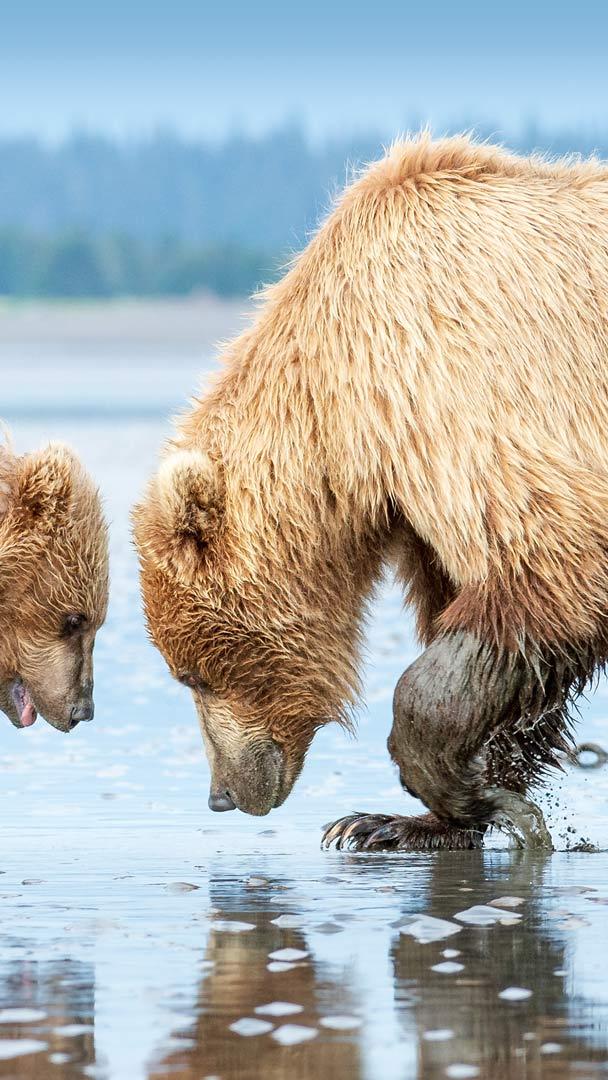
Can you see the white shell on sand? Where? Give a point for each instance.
(249, 1025)
(21, 1016)
(11, 1048)
(232, 926)
(292, 1034)
(515, 993)
(288, 954)
(484, 915)
(279, 1008)
(426, 928)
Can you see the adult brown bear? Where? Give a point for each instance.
(428, 387)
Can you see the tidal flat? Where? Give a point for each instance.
(144, 936)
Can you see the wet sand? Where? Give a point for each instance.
(140, 932)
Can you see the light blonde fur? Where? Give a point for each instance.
(427, 384)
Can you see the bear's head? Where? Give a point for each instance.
(53, 586)
(241, 624)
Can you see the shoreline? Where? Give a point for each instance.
(194, 324)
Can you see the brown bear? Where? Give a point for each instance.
(427, 388)
(53, 586)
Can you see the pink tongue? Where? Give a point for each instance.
(28, 715)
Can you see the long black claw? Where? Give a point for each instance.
(391, 832)
(333, 831)
(351, 831)
(385, 835)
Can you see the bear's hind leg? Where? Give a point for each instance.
(466, 744)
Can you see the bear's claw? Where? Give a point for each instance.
(354, 830)
(392, 832)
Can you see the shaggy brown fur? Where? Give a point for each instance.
(428, 386)
(53, 586)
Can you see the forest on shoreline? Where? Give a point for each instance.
(163, 215)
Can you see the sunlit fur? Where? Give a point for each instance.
(427, 385)
(53, 563)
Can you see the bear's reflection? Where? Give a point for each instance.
(64, 990)
(503, 1039)
(239, 982)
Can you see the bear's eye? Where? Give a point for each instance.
(193, 681)
(73, 623)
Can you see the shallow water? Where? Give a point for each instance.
(138, 927)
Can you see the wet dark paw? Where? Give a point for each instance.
(391, 832)
(522, 819)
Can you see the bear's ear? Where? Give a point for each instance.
(185, 511)
(44, 486)
(189, 495)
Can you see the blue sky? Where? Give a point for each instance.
(208, 68)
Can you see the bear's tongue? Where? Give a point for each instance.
(25, 705)
(28, 715)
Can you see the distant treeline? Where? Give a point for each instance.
(79, 264)
(98, 217)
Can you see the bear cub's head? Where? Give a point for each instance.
(53, 586)
(236, 625)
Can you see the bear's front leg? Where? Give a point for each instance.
(457, 714)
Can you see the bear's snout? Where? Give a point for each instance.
(253, 781)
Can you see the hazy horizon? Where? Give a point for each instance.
(128, 70)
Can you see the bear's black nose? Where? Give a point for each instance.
(82, 711)
(220, 801)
